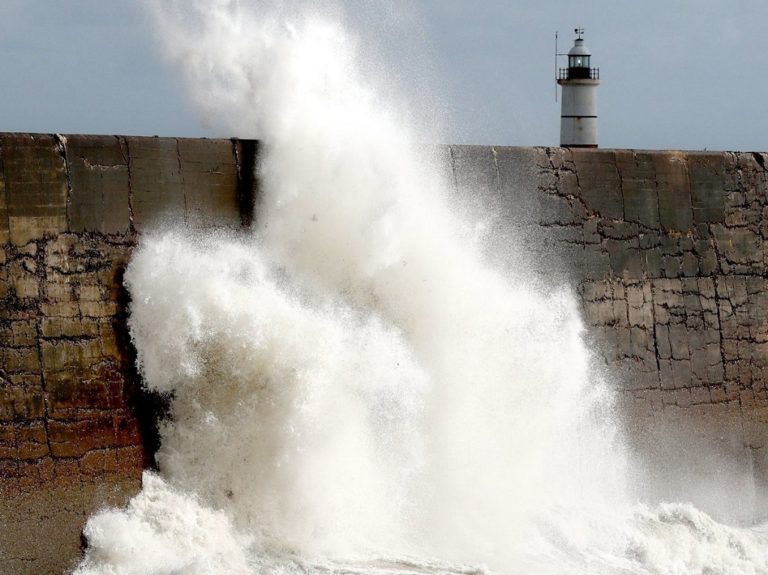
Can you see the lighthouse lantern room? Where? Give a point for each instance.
(579, 81)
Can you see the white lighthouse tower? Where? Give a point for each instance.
(578, 116)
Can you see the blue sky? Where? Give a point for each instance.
(685, 74)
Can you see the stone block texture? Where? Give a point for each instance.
(76, 429)
(663, 249)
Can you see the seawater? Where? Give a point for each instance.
(354, 388)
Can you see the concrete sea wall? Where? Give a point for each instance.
(666, 252)
(75, 428)
(663, 249)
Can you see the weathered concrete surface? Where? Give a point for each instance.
(664, 250)
(76, 430)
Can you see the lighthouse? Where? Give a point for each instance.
(579, 81)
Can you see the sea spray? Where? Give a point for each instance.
(353, 388)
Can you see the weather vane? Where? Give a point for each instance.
(578, 32)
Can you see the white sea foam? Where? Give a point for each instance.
(354, 389)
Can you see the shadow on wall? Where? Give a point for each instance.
(148, 407)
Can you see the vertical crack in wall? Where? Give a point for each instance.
(655, 332)
(730, 298)
(496, 171)
(185, 216)
(658, 197)
(43, 274)
(621, 186)
(61, 147)
(718, 304)
(125, 150)
(721, 259)
(718, 273)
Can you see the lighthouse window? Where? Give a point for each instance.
(578, 61)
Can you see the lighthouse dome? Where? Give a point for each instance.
(579, 49)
